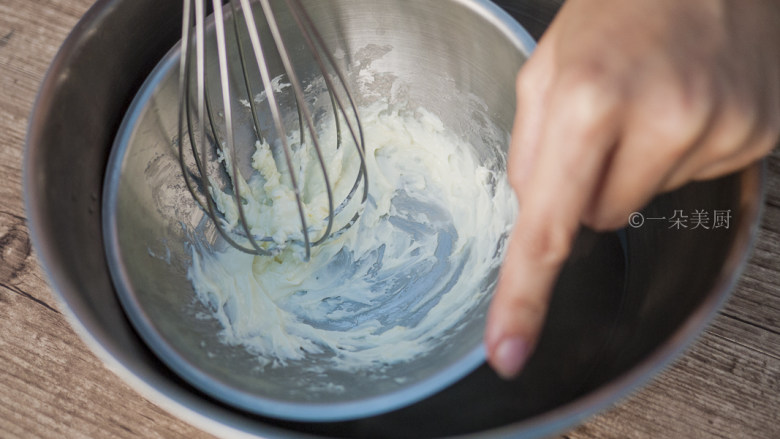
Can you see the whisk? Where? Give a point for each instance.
(202, 125)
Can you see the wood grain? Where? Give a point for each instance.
(52, 386)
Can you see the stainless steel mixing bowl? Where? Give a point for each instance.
(410, 55)
(624, 306)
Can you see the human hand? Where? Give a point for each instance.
(620, 101)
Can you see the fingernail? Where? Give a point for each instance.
(510, 356)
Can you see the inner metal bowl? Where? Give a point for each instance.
(624, 306)
(409, 54)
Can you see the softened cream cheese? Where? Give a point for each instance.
(390, 287)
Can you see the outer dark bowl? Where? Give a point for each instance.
(626, 304)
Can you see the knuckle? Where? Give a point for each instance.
(531, 307)
(591, 96)
(589, 101)
(548, 246)
(676, 115)
(597, 79)
(675, 134)
(590, 71)
(738, 132)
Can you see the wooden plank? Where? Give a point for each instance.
(51, 385)
(718, 390)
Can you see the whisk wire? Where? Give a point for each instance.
(301, 102)
(228, 115)
(203, 101)
(196, 131)
(314, 39)
(245, 70)
(273, 105)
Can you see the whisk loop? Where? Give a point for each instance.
(202, 127)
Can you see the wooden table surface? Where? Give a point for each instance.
(726, 386)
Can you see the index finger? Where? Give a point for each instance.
(579, 133)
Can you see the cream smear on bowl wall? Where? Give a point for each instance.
(389, 288)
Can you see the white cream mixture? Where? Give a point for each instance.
(389, 288)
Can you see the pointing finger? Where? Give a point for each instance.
(573, 150)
